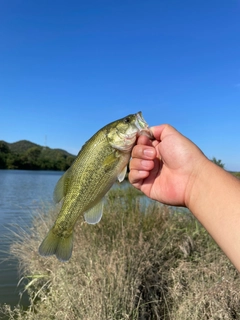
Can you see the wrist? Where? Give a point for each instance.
(198, 181)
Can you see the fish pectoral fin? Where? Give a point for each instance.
(110, 161)
(94, 215)
(122, 174)
(62, 186)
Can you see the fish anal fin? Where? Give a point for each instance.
(94, 215)
(60, 246)
(122, 174)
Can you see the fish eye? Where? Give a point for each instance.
(126, 120)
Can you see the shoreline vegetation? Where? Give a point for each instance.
(25, 155)
(142, 261)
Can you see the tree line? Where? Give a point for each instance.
(25, 155)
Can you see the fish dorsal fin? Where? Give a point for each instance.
(94, 215)
(62, 186)
(122, 174)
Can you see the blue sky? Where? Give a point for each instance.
(69, 67)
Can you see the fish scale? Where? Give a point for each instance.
(87, 193)
(102, 160)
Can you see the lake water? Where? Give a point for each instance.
(21, 194)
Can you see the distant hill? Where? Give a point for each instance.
(20, 146)
(23, 145)
(31, 156)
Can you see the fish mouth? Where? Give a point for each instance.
(142, 126)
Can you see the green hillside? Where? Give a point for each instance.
(27, 155)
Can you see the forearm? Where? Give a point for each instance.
(215, 201)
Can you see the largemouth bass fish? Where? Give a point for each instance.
(101, 161)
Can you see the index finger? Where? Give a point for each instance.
(144, 140)
(159, 132)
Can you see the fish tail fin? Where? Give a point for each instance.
(54, 244)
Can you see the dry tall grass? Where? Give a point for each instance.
(131, 265)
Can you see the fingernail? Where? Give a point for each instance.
(149, 152)
(145, 163)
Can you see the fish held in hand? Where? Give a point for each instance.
(102, 160)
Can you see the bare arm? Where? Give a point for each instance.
(214, 198)
(173, 170)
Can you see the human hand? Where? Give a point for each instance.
(173, 170)
(165, 169)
